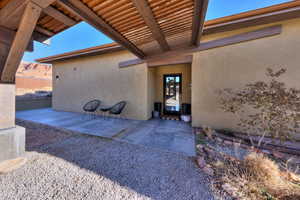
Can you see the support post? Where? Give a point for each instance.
(12, 137)
(20, 42)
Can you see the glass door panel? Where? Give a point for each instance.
(172, 93)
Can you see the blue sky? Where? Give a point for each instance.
(83, 35)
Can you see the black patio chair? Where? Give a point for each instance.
(117, 108)
(105, 110)
(91, 107)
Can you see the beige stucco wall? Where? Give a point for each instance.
(232, 66)
(151, 90)
(236, 65)
(99, 77)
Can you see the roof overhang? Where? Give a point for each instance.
(262, 16)
(144, 27)
(98, 50)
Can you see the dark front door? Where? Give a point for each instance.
(172, 93)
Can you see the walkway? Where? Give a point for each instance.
(174, 136)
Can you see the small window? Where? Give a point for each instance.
(57, 77)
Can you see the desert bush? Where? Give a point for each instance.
(257, 177)
(268, 108)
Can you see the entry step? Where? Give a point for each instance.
(170, 117)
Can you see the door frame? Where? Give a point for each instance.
(164, 94)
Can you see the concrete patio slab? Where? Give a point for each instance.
(163, 134)
(174, 136)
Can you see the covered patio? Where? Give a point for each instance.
(163, 135)
(145, 28)
(155, 32)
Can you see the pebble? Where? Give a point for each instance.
(226, 142)
(209, 171)
(201, 161)
(219, 140)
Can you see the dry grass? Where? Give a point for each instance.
(257, 177)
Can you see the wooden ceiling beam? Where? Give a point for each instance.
(200, 9)
(40, 37)
(59, 16)
(7, 37)
(85, 13)
(20, 18)
(11, 13)
(43, 3)
(21, 40)
(44, 31)
(145, 11)
(13, 10)
(226, 41)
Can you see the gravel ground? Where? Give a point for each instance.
(38, 134)
(85, 167)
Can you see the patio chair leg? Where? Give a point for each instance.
(87, 115)
(100, 114)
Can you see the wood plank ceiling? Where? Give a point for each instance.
(145, 27)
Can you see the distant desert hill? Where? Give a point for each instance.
(32, 77)
(35, 70)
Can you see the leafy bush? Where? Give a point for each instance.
(265, 107)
